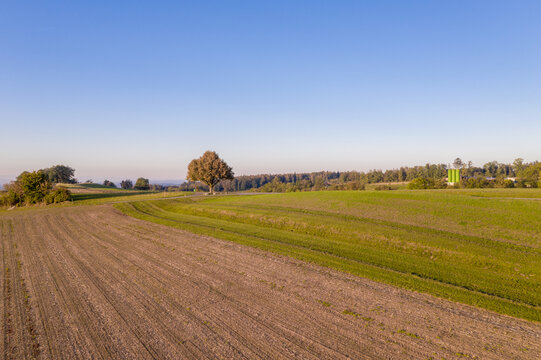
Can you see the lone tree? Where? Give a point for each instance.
(141, 184)
(209, 169)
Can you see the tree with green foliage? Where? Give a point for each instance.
(109, 183)
(530, 175)
(142, 184)
(491, 168)
(210, 170)
(518, 165)
(60, 174)
(126, 184)
(35, 186)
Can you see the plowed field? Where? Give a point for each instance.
(90, 282)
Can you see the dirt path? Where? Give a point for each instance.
(90, 282)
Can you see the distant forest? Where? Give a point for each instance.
(491, 174)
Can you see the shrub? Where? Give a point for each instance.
(477, 183)
(3, 198)
(508, 184)
(60, 194)
(384, 187)
(356, 185)
(419, 183)
(427, 183)
(14, 194)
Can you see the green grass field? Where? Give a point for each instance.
(96, 194)
(106, 198)
(478, 247)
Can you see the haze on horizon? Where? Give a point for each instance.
(122, 90)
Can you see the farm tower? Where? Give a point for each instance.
(453, 176)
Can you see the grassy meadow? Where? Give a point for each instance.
(478, 247)
(122, 196)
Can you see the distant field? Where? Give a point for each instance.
(479, 247)
(106, 198)
(94, 188)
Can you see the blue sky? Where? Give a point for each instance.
(121, 89)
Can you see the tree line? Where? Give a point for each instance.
(209, 173)
(140, 184)
(491, 174)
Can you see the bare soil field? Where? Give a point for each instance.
(90, 282)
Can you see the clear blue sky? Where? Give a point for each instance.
(121, 89)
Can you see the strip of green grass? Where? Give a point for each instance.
(108, 198)
(484, 271)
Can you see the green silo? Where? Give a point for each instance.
(453, 175)
(456, 177)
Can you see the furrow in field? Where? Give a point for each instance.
(221, 297)
(230, 266)
(164, 272)
(97, 301)
(3, 289)
(69, 317)
(82, 318)
(20, 337)
(141, 279)
(39, 277)
(151, 278)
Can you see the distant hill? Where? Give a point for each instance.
(170, 182)
(167, 182)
